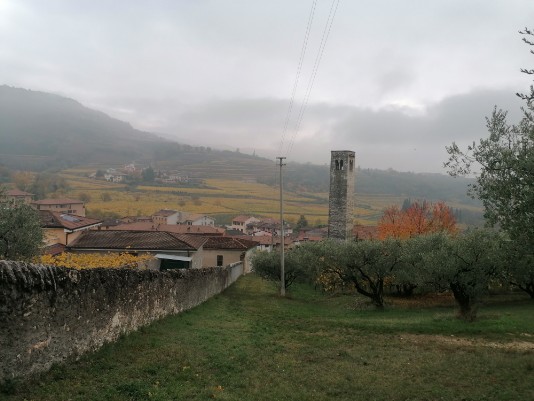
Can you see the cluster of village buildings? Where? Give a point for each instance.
(177, 239)
(133, 172)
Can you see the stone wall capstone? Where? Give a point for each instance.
(49, 314)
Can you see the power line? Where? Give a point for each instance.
(324, 39)
(299, 69)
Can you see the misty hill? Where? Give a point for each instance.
(41, 131)
(430, 186)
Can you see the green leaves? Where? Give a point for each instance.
(505, 182)
(21, 235)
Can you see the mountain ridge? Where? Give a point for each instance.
(40, 130)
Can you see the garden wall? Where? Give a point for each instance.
(48, 314)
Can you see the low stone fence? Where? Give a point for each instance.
(48, 314)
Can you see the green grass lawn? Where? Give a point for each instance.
(249, 344)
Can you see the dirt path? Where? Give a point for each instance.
(454, 341)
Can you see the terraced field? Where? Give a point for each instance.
(217, 197)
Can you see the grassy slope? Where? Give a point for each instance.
(248, 344)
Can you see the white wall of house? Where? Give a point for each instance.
(242, 226)
(226, 257)
(203, 221)
(172, 219)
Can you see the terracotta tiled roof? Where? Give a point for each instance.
(137, 240)
(51, 219)
(63, 201)
(171, 228)
(314, 238)
(194, 241)
(266, 240)
(165, 212)
(259, 239)
(193, 217)
(53, 250)
(17, 192)
(229, 243)
(241, 218)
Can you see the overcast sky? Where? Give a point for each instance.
(398, 79)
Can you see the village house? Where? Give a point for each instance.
(62, 205)
(130, 168)
(197, 220)
(171, 177)
(222, 251)
(64, 228)
(135, 219)
(266, 243)
(17, 196)
(115, 177)
(241, 222)
(269, 227)
(170, 250)
(166, 216)
(308, 236)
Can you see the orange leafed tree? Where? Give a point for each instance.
(419, 218)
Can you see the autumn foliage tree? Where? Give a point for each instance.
(419, 218)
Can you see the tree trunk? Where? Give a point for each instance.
(465, 302)
(405, 290)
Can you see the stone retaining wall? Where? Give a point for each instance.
(48, 314)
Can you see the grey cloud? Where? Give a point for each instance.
(218, 73)
(382, 138)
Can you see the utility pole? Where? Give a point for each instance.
(282, 267)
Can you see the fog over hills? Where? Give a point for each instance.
(41, 131)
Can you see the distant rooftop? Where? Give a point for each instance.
(172, 228)
(50, 219)
(229, 243)
(241, 218)
(17, 192)
(60, 201)
(137, 240)
(165, 212)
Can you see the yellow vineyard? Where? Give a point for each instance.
(215, 197)
(93, 260)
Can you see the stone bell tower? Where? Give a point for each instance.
(341, 200)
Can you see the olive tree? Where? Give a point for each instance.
(504, 167)
(418, 255)
(465, 265)
(366, 265)
(21, 235)
(296, 266)
(519, 271)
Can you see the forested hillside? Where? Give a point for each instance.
(314, 178)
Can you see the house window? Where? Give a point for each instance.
(219, 260)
